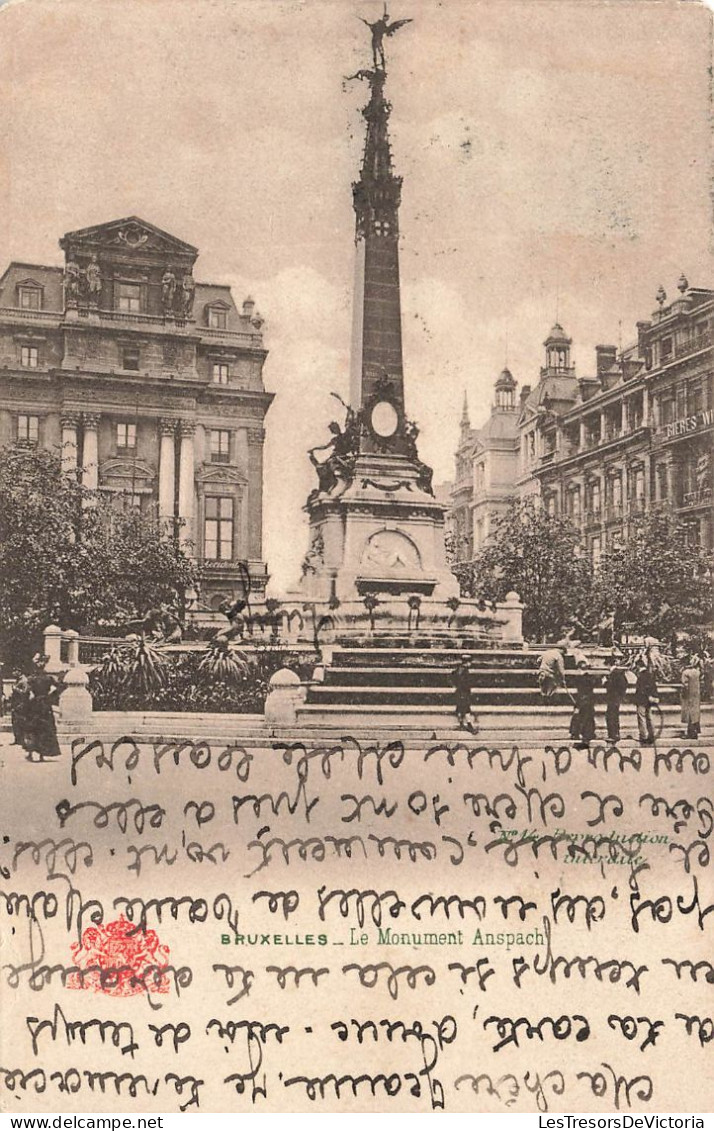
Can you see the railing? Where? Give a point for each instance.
(613, 512)
(30, 315)
(593, 517)
(700, 342)
(697, 498)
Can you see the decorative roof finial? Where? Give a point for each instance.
(683, 283)
(661, 296)
(465, 422)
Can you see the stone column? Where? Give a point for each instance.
(603, 426)
(70, 424)
(90, 455)
(623, 417)
(581, 438)
(645, 406)
(256, 438)
(186, 480)
(167, 472)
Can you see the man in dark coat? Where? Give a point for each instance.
(461, 679)
(583, 721)
(19, 699)
(615, 692)
(645, 695)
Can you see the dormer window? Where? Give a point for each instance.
(217, 318)
(29, 296)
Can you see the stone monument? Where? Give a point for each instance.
(375, 527)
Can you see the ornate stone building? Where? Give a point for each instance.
(149, 383)
(637, 436)
(633, 438)
(485, 470)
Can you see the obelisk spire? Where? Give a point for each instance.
(377, 366)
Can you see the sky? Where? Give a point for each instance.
(556, 157)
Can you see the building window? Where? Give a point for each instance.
(218, 528)
(130, 358)
(220, 445)
(30, 298)
(595, 499)
(695, 397)
(219, 373)
(216, 318)
(666, 348)
(28, 429)
(30, 356)
(126, 435)
(129, 297)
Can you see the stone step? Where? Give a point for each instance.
(386, 694)
(427, 676)
(433, 657)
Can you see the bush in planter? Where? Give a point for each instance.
(219, 679)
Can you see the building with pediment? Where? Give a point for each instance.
(150, 385)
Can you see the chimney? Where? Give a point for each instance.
(606, 358)
(525, 393)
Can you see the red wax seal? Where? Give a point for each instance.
(121, 960)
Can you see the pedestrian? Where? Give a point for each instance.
(707, 674)
(615, 691)
(461, 679)
(691, 696)
(41, 732)
(645, 695)
(606, 630)
(19, 699)
(551, 673)
(582, 724)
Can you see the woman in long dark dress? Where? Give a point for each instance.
(40, 729)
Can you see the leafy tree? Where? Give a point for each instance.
(539, 556)
(656, 579)
(69, 557)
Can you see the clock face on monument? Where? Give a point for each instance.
(384, 419)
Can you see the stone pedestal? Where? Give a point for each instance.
(53, 647)
(285, 695)
(383, 535)
(75, 705)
